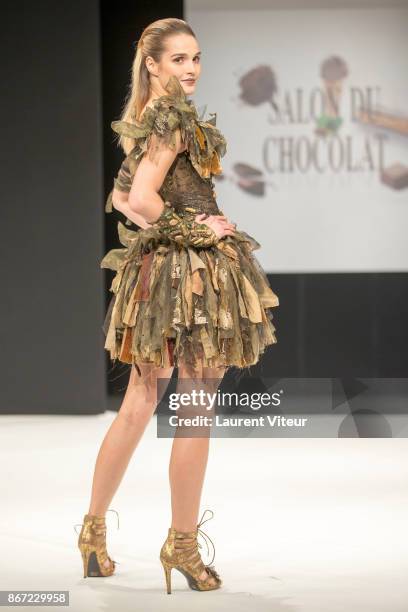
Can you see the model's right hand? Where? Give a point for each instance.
(218, 223)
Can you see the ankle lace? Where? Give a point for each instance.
(110, 510)
(204, 535)
(199, 531)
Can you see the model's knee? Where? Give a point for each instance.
(138, 405)
(151, 384)
(143, 393)
(136, 416)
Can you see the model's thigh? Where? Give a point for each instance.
(149, 383)
(216, 373)
(213, 378)
(189, 381)
(200, 378)
(188, 371)
(201, 373)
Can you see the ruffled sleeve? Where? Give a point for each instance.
(157, 130)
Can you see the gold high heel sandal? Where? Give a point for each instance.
(92, 544)
(180, 551)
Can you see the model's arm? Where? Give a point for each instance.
(120, 201)
(143, 202)
(144, 198)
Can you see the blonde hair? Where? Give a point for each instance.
(151, 43)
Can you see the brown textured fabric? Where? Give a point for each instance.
(177, 304)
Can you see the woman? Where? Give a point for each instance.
(187, 292)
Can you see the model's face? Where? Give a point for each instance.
(181, 58)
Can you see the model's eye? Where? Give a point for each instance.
(178, 59)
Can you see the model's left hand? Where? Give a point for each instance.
(222, 219)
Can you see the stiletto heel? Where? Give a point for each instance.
(167, 571)
(92, 545)
(180, 551)
(85, 558)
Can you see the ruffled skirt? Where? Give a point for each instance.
(174, 305)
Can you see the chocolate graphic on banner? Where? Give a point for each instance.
(333, 71)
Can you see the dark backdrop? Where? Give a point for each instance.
(51, 221)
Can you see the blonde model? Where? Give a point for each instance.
(188, 292)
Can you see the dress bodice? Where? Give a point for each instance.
(185, 188)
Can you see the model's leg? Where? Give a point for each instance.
(189, 457)
(123, 435)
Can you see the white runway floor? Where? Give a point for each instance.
(300, 525)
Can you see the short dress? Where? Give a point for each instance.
(174, 304)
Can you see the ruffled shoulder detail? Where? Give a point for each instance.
(204, 142)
